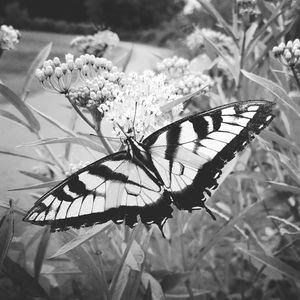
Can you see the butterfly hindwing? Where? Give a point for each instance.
(182, 163)
(203, 144)
(111, 188)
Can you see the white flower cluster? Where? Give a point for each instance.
(288, 53)
(9, 37)
(58, 76)
(247, 7)
(96, 44)
(195, 41)
(137, 106)
(131, 101)
(179, 74)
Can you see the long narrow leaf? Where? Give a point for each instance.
(6, 233)
(234, 69)
(29, 286)
(128, 58)
(35, 176)
(37, 62)
(20, 106)
(11, 117)
(64, 140)
(275, 89)
(52, 121)
(273, 262)
(273, 137)
(13, 152)
(41, 252)
(224, 230)
(49, 184)
(210, 8)
(261, 32)
(283, 187)
(80, 239)
(121, 273)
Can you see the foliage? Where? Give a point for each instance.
(251, 252)
(128, 14)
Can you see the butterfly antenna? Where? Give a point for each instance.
(121, 128)
(133, 123)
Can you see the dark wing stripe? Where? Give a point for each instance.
(221, 132)
(172, 139)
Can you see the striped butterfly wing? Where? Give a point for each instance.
(112, 188)
(192, 154)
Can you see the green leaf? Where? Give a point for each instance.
(273, 262)
(157, 292)
(29, 286)
(37, 62)
(128, 58)
(234, 69)
(53, 121)
(210, 8)
(172, 280)
(261, 32)
(49, 184)
(270, 136)
(6, 233)
(275, 89)
(81, 238)
(64, 140)
(120, 276)
(41, 252)
(168, 106)
(283, 187)
(20, 106)
(13, 152)
(224, 230)
(84, 260)
(13, 118)
(35, 176)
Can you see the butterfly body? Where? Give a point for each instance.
(179, 165)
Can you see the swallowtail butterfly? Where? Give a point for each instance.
(179, 165)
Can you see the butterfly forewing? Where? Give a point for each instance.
(182, 163)
(204, 143)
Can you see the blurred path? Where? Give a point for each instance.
(12, 135)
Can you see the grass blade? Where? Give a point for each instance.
(63, 140)
(11, 117)
(41, 252)
(16, 101)
(6, 233)
(157, 292)
(213, 12)
(29, 286)
(283, 187)
(273, 263)
(52, 121)
(224, 230)
(121, 274)
(81, 238)
(13, 152)
(37, 62)
(48, 184)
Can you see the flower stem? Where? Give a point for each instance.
(295, 76)
(80, 113)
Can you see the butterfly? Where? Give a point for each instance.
(179, 165)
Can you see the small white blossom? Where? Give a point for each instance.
(288, 53)
(96, 44)
(195, 41)
(9, 37)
